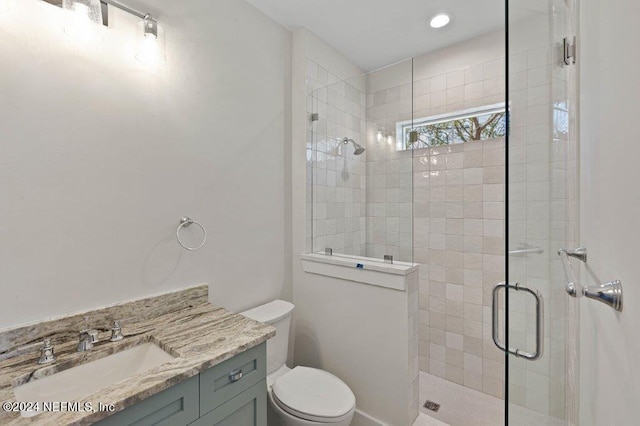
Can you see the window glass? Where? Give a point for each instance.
(487, 122)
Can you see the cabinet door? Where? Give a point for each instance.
(247, 409)
(178, 405)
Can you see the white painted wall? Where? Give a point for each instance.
(100, 158)
(610, 205)
(359, 333)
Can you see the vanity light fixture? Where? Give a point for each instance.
(87, 17)
(440, 20)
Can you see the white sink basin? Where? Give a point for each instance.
(81, 381)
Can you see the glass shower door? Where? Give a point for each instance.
(542, 215)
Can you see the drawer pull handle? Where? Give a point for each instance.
(234, 376)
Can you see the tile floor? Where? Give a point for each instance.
(461, 406)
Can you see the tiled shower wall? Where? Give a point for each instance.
(389, 178)
(462, 207)
(336, 181)
(458, 218)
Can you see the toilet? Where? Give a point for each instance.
(300, 396)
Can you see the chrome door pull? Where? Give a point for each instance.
(532, 356)
(234, 376)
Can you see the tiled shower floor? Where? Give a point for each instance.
(461, 406)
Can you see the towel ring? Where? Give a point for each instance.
(185, 222)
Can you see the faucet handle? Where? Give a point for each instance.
(46, 355)
(116, 332)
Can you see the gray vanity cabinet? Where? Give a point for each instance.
(232, 393)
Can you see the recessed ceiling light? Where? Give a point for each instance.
(440, 20)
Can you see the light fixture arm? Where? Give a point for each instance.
(125, 8)
(150, 24)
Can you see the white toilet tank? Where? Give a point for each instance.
(277, 314)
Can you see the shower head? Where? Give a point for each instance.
(358, 148)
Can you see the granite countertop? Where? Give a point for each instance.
(199, 336)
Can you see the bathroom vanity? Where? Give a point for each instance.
(231, 393)
(182, 361)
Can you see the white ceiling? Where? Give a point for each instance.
(375, 33)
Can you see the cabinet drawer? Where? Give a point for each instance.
(247, 409)
(228, 379)
(177, 405)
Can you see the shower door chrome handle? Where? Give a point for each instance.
(532, 356)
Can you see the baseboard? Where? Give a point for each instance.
(360, 418)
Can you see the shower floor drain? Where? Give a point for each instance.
(432, 406)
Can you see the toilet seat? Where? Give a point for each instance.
(315, 395)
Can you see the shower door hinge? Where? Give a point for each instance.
(569, 51)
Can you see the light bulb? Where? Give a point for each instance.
(390, 140)
(151, 46)
(379, 136)
(84, 20)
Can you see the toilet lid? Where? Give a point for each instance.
(313, 394)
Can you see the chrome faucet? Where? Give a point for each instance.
(87, 339)
(46, 355)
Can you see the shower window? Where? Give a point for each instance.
(483, 123)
